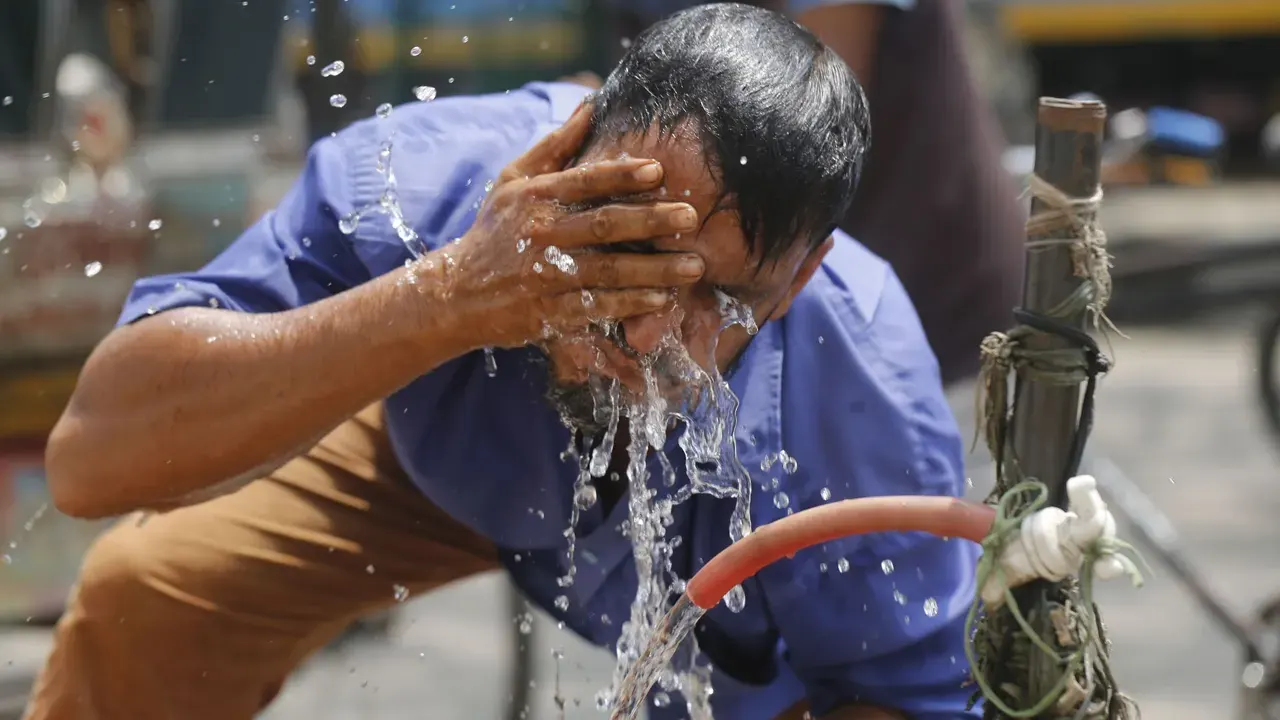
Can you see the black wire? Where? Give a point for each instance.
(1096, 363)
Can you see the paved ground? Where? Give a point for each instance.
(1177, 415)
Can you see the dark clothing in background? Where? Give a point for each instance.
(934, 200)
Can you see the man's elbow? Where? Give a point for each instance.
(74, 484)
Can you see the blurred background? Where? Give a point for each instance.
(142, 136)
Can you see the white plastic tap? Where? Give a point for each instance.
(1052, 543)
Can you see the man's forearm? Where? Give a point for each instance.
(194, 397)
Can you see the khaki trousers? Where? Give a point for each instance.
(201, 613)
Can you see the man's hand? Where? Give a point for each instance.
(532, 265)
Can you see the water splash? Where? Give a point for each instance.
(707, 415)
(669, 635)
(27, 527)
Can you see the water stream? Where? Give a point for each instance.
(664, 643)
(649, 651)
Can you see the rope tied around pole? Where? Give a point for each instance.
(1063, 624)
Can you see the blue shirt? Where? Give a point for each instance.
(845, 383)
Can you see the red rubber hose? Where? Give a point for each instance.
(941, 516)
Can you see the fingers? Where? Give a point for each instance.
(555, 149)
(620, 223)
(605, 179)
(580, 307)
(604, 270)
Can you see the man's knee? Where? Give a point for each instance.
(117, 574)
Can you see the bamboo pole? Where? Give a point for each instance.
(1069, 157)
(1045, 416)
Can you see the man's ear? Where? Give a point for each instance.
(807, 268)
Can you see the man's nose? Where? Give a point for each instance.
(644, 333)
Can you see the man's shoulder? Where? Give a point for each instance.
(443, 155)
(430, 142)
(855, 292)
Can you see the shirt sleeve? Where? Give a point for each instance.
(876, 619)
(294, 255)
(795, 7)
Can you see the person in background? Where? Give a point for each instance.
(934, 201)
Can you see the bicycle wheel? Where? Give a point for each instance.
(1269, 373)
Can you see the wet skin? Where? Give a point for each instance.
(688, 329)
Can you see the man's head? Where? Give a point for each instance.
(762, 129)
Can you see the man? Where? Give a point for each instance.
(602, 258)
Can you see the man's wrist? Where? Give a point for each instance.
(438, 320)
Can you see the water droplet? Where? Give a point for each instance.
(886, 566)
(563, 263)
(931, 607)
(899, 598)
(789, 464)
(383, 111)
(842, 565)
(661, 700)
(523, 244)
(465, 39)
(822, 567)
(742, 160)
(155, 224)
(562, 603)
(213, 303)
(490, 363)
(626, 43)
(8, 100)
(338, 100)
(821, 340)
(311, 59)
(217, 222)
(781, 500)
(425, 93)
(349, 223)
(537, 267)
(526, 625)
(400, 593)
(4, 233)
(333, 69)
(92, 268)
(1252, 677)
(586, 497)
(736, 599)
(825, 493)
(30, 218)
(369, 569)
(415, 51)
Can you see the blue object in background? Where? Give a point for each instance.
(1184, 132)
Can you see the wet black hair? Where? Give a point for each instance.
(783, 122)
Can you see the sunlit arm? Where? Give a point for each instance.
(195, 397)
